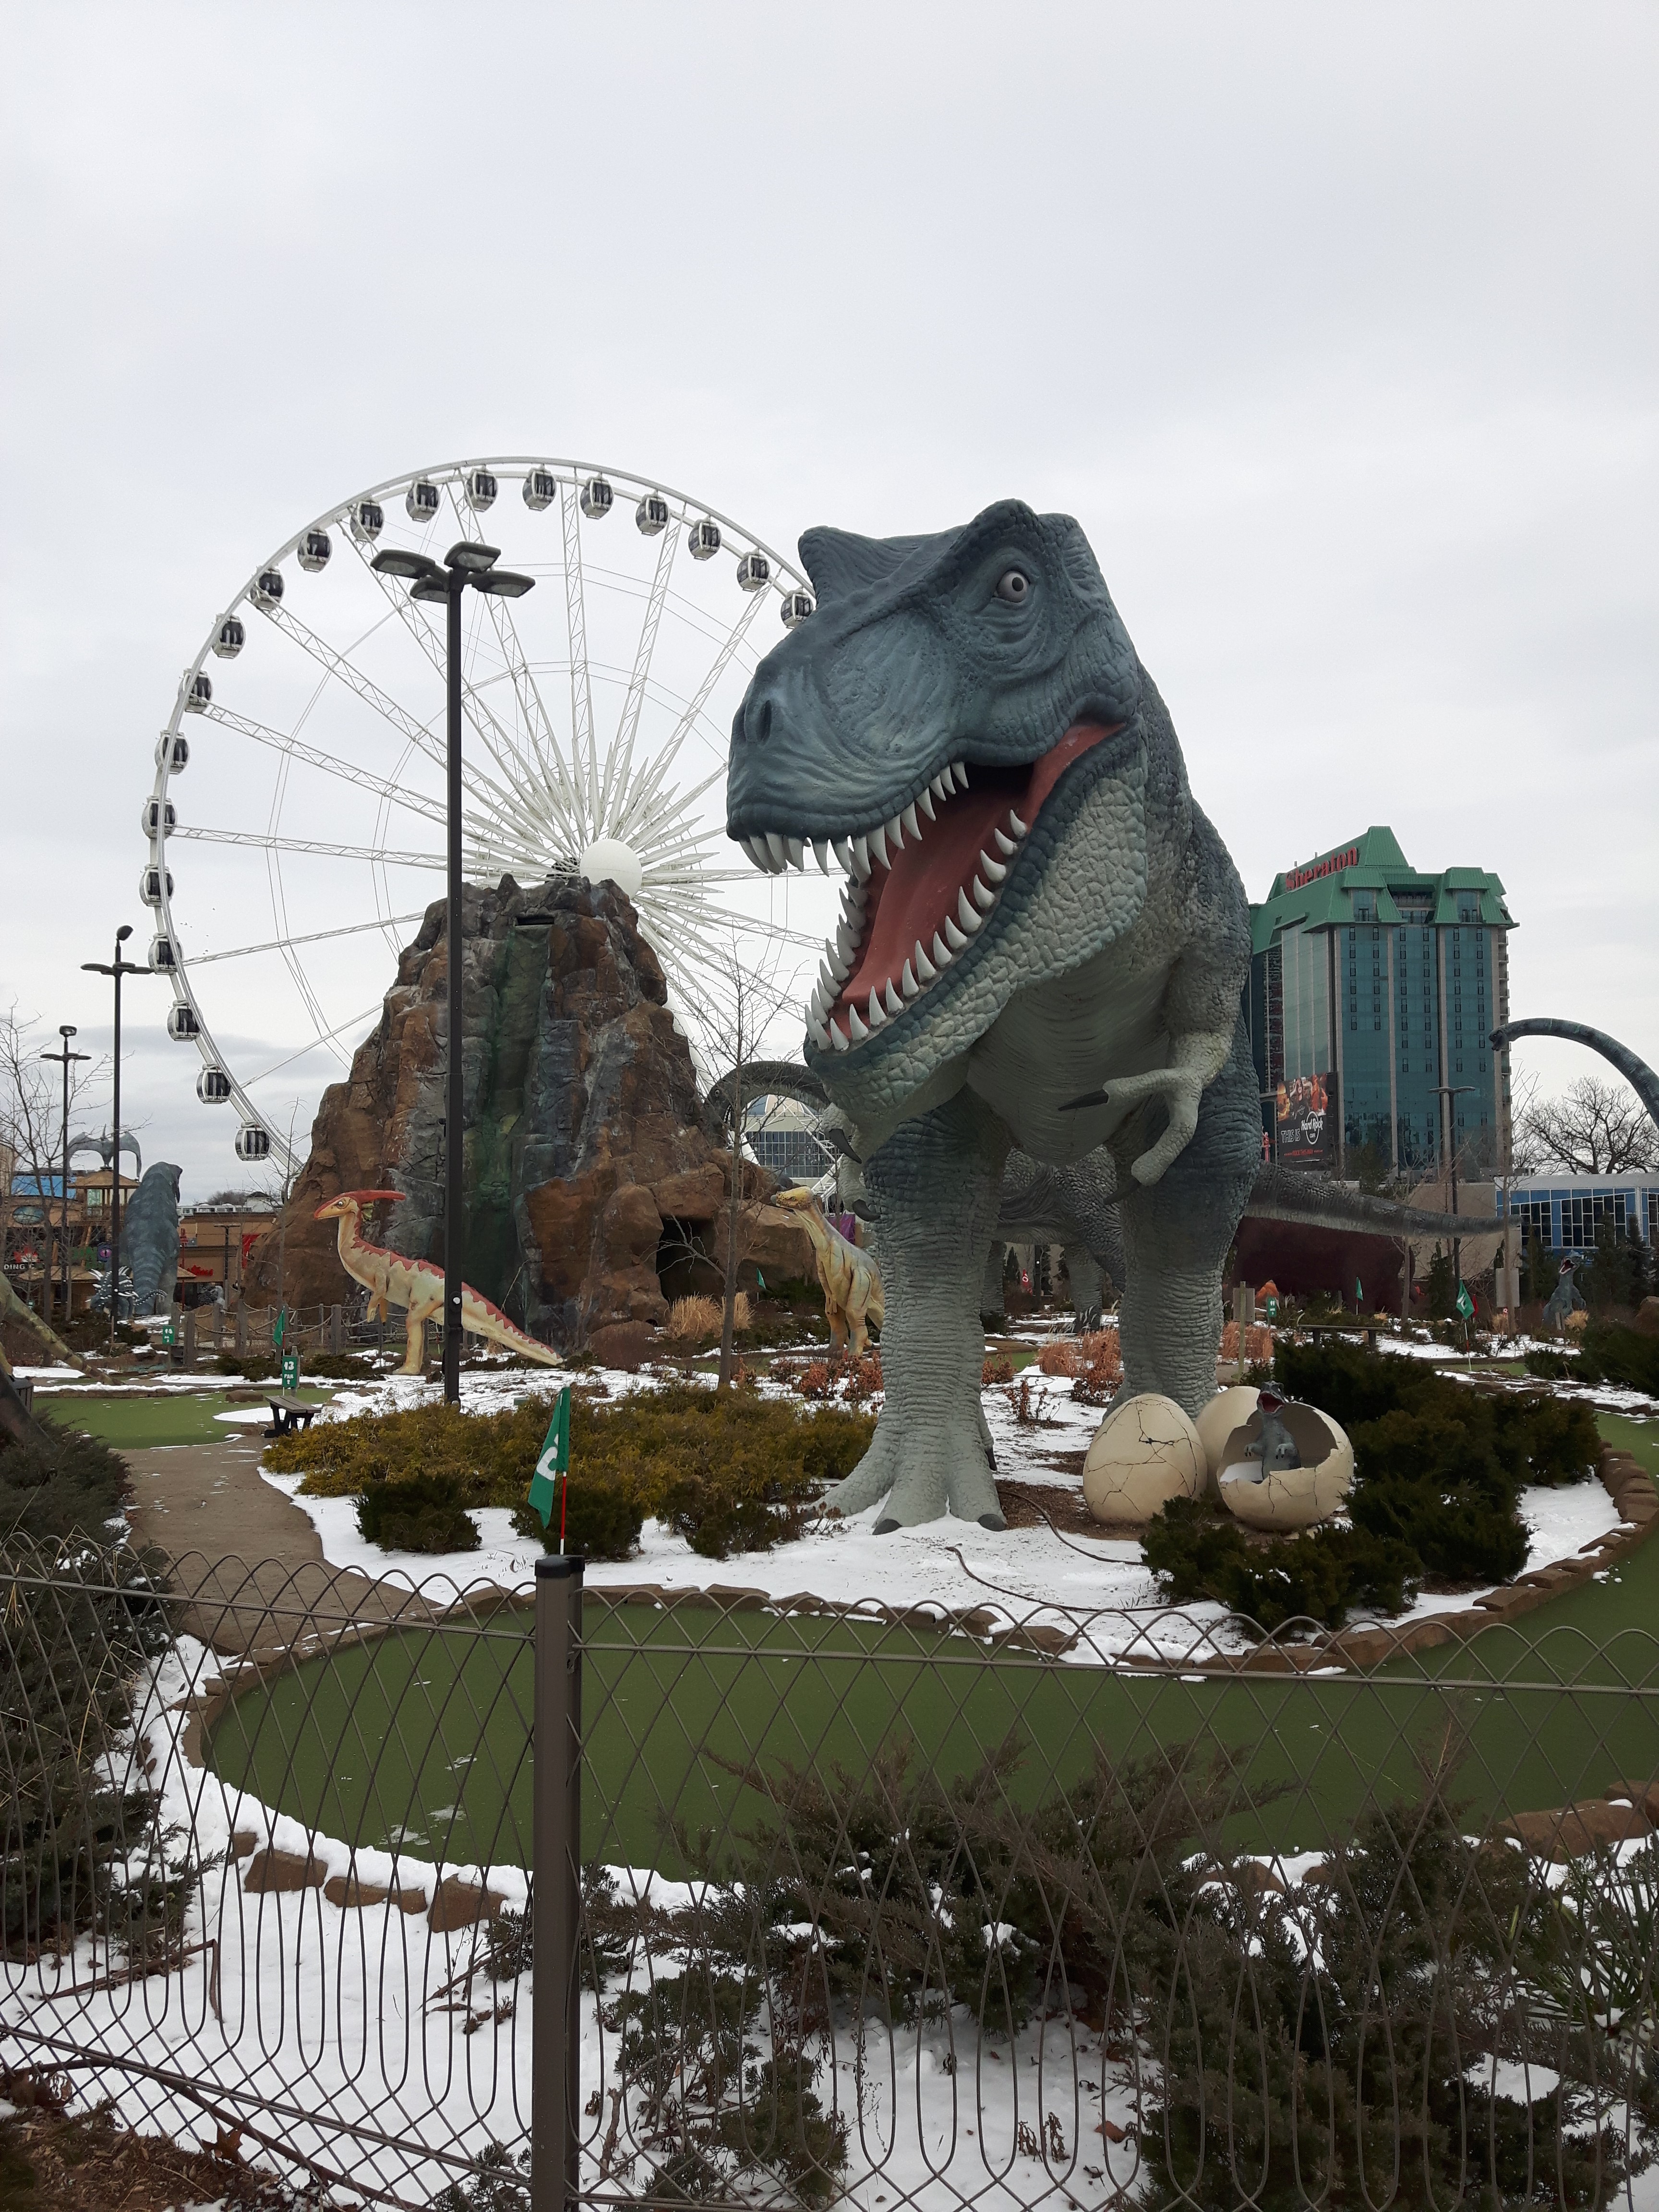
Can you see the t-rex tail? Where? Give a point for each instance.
(480, 1318)
(1636, 1072)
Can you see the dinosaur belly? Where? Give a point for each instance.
(1059, 1040)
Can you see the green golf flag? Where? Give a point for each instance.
(282, 1324)
(1465, 1302)
(554, 1459)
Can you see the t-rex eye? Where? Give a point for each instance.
(1014, 586)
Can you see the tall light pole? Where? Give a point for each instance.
(66, 1031)
(118, 967)
(1449, 1091)
(466, 566)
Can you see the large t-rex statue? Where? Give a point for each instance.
(392, 1279)
(1043, 945)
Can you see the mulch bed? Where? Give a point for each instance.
(1035, 1504)
(51, 2161)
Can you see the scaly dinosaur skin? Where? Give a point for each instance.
(393, 1280)
(850, 1278)
(1039, 911)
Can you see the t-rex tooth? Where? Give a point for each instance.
(821, 854)
(843, 852)
(965, 914)
(984, 897)
(845, 945)
(894, 834)
(775, 847)
(855, 1028)
(941, 950)
(954, 937)
(959, 770)
(890, 999)
(1017, 825)
(993, 871)
(1005, 844)
(925, 968)
(873, 1012)
(757, 852)
(939, 786)
(820, 1035)
(925, 802)
(836, 1039)
(796, 852)
(908, 982)
(912, 827)
(878, 844)
(861, 856)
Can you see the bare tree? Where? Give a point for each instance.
(761, 995)
(1594, 1127)
(32, 1132)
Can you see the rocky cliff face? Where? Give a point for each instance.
(589, 1169)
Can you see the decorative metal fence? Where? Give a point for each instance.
(485, 1899)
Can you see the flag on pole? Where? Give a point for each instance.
(1358, 1295)
(555, 1462)
(1465, 1302)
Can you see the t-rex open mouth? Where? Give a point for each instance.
(921, 885)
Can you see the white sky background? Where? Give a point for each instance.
(1336, 327)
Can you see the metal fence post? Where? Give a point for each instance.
(556, 1848)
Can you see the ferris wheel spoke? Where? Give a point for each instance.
(264, 841)
(583, 760)
(330, 1039)
(328, 763)
(619, 768)
(651, 782)
(311, 937)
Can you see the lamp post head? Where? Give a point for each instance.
(394, 562)
(503, 584)
(473, 557)
(433, 587)
(123, 932)
(67, 1030)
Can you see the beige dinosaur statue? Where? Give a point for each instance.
(851, 1281)
(418, 1286)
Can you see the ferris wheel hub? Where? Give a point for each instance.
(608, 860)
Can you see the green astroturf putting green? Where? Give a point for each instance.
(423, 1737)
(136, 1423)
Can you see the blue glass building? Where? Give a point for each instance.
(1372, 985)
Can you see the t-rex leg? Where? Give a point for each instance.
(1084, 1270)
(935, 1187)
(1177, 1232)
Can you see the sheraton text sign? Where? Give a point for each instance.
(1332, 865)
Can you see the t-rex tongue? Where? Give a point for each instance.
(924, 902)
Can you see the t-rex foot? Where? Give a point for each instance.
(943, 1467)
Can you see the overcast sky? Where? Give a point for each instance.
(1334, 326)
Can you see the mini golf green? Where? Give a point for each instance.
(137, 1423)
(423, 1737)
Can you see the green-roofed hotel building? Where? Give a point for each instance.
(1371, 985)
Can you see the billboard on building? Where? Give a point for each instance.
(1305, 1123)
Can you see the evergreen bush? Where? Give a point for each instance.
(1624, 1355)
(416, 1513)
(55, 1484)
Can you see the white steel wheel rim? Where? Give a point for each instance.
(595, 716)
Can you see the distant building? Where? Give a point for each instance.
(1566, 1212)
(1371, 986)
(778, 1132)
(217, 1241)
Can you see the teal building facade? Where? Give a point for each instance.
(1372, 985)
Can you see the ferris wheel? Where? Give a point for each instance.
(294, 862)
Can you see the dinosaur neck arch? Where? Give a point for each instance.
(1636, 1072)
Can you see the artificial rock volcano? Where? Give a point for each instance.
(591, 1173)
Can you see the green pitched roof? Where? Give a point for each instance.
(1319, 893)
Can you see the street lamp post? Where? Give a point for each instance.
(1449, 1091)
(66, 1031)
(466, 566)
(117, 968)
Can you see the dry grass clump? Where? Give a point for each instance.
(1076, 1355)
(996, 1367)
(697, 1319)
(1258, 1342)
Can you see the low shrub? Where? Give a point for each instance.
(995, 1367)
(1075, 1355)
(1198, 1551)
(738, 1468)
(1548, 1440)
(699, 1319)
(1551, 1366)
(1099, 1383)
(1624, 1356)
(1433, 1484)
(55, 1484)
(418, 1513)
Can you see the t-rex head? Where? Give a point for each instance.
(353, 1201)
(965, 720)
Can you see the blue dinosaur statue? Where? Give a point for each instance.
(150, 1238)
(1043, 944)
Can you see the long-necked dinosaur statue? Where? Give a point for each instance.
(850, 1278)
(392, 1280)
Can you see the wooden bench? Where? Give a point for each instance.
(289, 1413)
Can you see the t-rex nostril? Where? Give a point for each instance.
(760, 721)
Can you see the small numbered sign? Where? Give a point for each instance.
(166, 1332)
(290, 1370)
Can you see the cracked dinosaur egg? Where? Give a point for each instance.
(1281, 1466)
(1145, 1452)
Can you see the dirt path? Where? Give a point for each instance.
(247, 1558)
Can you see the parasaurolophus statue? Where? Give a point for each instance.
(1043, 945)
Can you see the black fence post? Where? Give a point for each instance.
(556, 1850)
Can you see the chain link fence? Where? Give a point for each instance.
(487, 1899)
